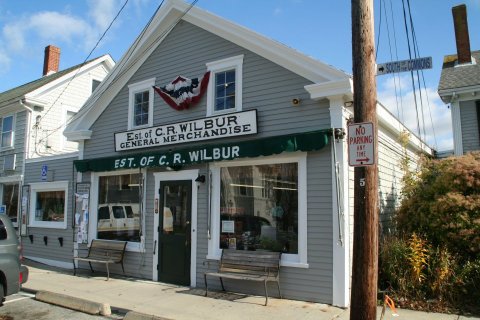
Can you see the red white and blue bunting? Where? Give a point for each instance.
(183, 92)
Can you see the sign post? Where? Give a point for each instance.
(361, 147)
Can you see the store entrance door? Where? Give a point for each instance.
(174, 238)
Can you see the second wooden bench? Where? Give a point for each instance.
(261, 266)
(102, 251)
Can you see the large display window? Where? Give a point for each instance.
(261, 205)
(118, 210)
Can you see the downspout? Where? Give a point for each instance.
(26, 149)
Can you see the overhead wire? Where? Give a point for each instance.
(411, 72)
(84, 61)
(97, 94)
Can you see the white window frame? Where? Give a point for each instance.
(12, 140)
(92, 227)
(236, 63)
(145, 85)
(63, 139)
(288, 260)
(45, 187)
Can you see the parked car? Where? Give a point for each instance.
(119, 221)
(12, 273)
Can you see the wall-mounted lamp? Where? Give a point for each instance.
(45, 239)
(296, 102)
(30, 236)
(60, 240)
(200, 178)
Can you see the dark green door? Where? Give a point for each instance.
(174, 232)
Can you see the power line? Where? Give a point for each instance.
(86, 59)
(97, 94)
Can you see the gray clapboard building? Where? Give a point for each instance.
(207, 136)
(459, 87)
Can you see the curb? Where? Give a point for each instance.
(90, 307)
(133, 315)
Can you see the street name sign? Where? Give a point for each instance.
(361, 144)
(404, 65)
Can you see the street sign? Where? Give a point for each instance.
(404, 65)
(3, 209)
(361, 144)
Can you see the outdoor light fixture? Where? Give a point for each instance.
(45, 239)
(200, 178)
(30, 236)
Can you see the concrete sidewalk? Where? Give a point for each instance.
(176, 302)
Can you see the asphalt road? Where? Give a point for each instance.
(23, 306)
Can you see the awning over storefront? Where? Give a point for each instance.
(176, 158)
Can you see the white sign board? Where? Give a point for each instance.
(222, 126)
(361, 144)
(404, 65)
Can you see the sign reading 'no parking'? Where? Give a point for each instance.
(361, 144)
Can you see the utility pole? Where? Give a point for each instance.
(365, 233)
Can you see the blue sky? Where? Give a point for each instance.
(321, 29)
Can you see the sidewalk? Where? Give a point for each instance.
(176, 302)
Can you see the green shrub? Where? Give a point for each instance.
(443, 203)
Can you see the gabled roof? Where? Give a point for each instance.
(18, 93)
(459, 78)
(161, 24)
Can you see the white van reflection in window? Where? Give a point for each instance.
(119, 221)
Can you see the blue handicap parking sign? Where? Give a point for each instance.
(44, 172)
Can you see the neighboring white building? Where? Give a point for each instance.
(33, 117)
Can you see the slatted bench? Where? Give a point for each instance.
(102, 251)
(261, 266)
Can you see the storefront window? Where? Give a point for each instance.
(50, 206)
(10, 200)
(118, 207)
(259, 207)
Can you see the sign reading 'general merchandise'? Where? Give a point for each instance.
(221, 126)
(361, 144)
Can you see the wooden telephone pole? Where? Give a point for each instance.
(365, 234)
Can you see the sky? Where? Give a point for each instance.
(318, 28)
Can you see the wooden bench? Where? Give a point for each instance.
(261, 266)
(102, 251)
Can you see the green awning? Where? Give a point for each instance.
(176, 158)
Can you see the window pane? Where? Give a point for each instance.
(7, 131)
(7, 139)
(220, 104)
(7, 124)
(259, 208)
(225, 87)
(118, 209)
(220, 78)
(230, 76)
(141, 108)
(50, 206)
(230, 102)
(10, 200)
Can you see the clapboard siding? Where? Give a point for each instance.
(62, 170)
(470, 130)
(267, 87)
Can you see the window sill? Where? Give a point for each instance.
(48, 226)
